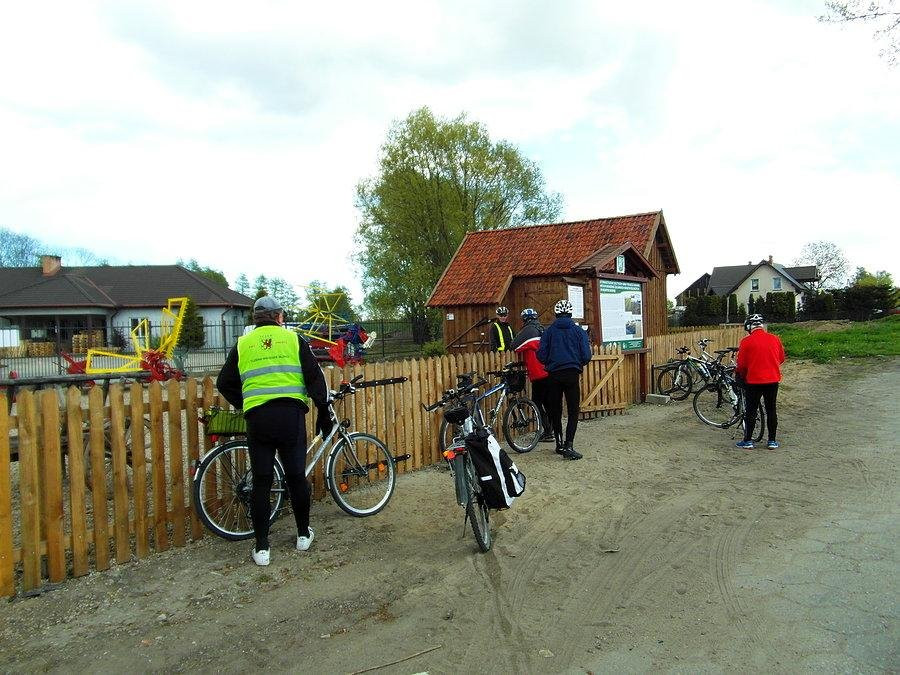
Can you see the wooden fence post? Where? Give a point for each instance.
(29, 489)
(52, 486)
(119, 469)
(75, 433)
(7, 576)
(158, 468)
(176, 462)
(98, 478)
(139, 470)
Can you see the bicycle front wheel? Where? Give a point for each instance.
(716, 405)
(361, 475)
(759, 426)
(477, 511)
(522, 425)
(223, 487)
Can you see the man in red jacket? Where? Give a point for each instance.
(759, 366)
(526, 345)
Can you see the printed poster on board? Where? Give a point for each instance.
(621, 313)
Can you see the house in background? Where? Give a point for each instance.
(53, 303)
(755, 280)
(613, 270)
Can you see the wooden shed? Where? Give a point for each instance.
(612, 269)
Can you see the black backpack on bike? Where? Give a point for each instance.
(500, 479)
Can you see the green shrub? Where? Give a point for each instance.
(434, 348)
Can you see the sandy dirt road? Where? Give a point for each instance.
(665, 549)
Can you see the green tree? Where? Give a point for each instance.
(260, 284)
(241, 285)
(865, 278)
(284, 292)
(438, 179)
(213, 275)
(192, 336)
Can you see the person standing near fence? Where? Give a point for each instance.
(272, 375)
(564, 350)
(501, 332)
(526, 346)
(758, 366)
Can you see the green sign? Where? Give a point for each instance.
(621, 313)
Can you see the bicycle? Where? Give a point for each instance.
(468, 489)
(676, 378)
(360, 472)
(722, 403)
(522, 426)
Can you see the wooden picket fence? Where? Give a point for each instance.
(73, 503)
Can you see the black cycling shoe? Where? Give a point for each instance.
(547, 438)
(568, 452)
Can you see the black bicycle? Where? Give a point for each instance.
(723, 402)
(459, 404)
(522, 426)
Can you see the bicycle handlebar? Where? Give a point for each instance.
(454, 395)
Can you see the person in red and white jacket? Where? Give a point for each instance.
(759, 367)
(526, 345)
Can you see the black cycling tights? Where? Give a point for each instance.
(769, 395)
(279, 425)
(261, 508)
(564, 383)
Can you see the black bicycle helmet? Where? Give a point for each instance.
(529, 313)
(502, 311)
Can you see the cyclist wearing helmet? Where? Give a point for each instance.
(564, 350)
(759, 367)
(271, 374)
(526, 345)
(501, 332)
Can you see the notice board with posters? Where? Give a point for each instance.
(621, 313)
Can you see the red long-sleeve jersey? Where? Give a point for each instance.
(760, 357)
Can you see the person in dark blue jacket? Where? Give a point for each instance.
(564, 350)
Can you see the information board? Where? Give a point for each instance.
(621, 315)
(576, 297)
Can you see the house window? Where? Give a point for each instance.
(776, 283)
(754, 284)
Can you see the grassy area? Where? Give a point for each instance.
(867, 338)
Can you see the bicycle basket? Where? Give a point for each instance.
(514, 380)
(456, 415)
(224, 422)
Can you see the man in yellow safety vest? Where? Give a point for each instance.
(501, 332)
(272, 374)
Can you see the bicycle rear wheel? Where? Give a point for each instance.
(674, 381)
(223, 485)
(759, 426)
(522, 425)
(716, 405)
(448, 433)
(361, 475)
(477, 511)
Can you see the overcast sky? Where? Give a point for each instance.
(235, 133)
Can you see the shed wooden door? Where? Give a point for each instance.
(603, 385)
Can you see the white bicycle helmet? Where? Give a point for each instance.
(502, 311)
(753, 321)
(529, 313)
(562, 307)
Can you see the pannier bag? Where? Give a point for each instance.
(500, 479)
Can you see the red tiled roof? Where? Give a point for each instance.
(480, 271)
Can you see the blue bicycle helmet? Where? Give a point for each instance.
(529, 313)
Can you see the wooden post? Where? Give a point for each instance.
(158, 468)
(193, 431)
(176, 462)
(75, 433)
(139, 470)
(98, 479)
(29, 481)
(120, 473)
(52, 487)
(7, 576)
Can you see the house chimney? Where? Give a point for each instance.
(770, 258)
(50, 265)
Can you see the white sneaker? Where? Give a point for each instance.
(303, 543)
(261, 558)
